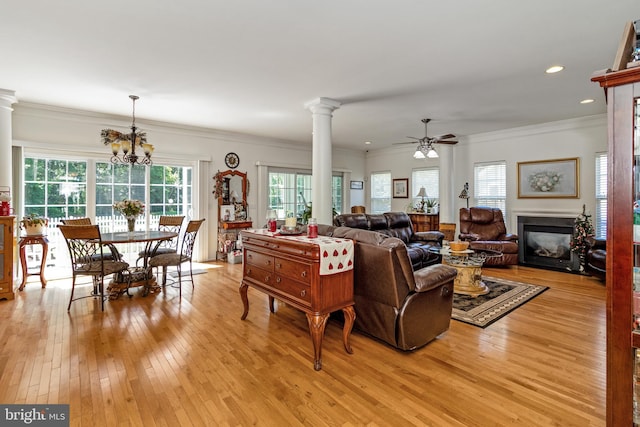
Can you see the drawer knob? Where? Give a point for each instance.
(278, 265)
(303, 274)
(267, 278)
(278, 280)
(303, 293)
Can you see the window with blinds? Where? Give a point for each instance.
(600, 223)
(429, 178)
(491, 185)
(380, 192)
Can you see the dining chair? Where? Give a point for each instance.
(112, 254)
(87, 258)
(172, 223)
(186, 252)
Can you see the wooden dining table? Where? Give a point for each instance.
(152, 240)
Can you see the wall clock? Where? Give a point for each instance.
(232, 160)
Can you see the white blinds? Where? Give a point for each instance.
(490, 185)
(380, 192)
(600, 223)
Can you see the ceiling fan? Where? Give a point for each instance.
(425, 144)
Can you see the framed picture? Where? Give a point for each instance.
(401, 188)
(227, 213)
(357, 185)
(549, 178)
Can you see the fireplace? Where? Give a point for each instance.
(545, 243)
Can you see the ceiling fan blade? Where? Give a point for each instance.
(403, 143)
(447, 136)
(446, 142)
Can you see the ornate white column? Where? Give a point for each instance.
(447, 205)
(7, 98)
(322, 109)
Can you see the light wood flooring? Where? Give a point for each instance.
(162, 361)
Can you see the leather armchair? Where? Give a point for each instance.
(484, 228)
(596, 259)
(404, 308)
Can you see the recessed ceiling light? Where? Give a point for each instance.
(367, 143)
(554, 69)
(587, 101)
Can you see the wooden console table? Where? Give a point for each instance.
(425, 222)
(312, 275)
(33, 240)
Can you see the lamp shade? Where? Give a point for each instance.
(432, 153)
(418, 154)
(422, 192)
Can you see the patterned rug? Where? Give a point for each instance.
(503, 297)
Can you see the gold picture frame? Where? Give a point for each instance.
(543, 179)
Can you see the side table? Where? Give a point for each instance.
(33, 240)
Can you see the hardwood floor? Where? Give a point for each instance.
(162, 361)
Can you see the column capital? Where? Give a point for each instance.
(322, 105)
(7, 98)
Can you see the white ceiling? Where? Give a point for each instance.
(250, 65)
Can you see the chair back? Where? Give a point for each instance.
(172, 223)
(76, 221)
(189, 238)
(84, 243)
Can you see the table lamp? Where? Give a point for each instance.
(422, 193)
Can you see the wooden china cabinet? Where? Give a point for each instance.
(424, 221)
(622, 90)
(7, 224)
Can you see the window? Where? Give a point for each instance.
(428, 178)
(290, 191)
(116, 182)
(55, 188)
(490, 185)
(380, 192)
(601, 196)
(169, 192)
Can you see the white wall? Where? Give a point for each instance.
(44, 128)
(582, 138)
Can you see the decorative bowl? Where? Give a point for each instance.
(458, 246)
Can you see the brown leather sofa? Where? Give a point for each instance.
(404, 308)
(484, 228)
(398, 224)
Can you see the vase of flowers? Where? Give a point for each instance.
(130, 209)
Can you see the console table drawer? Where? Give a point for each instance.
(260, 260)
(259, 275)
(296, 290)
(293, 269)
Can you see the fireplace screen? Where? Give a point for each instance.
(545, 242)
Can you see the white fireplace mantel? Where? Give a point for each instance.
(553, 213)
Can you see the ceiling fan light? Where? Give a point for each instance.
(418, 154)
(432, 153)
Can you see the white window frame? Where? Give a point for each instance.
(600, 223)
(490, 189)
(380, 191)
(429, 178)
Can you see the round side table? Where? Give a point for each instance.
(33, 240)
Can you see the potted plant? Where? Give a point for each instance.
(431, 205)
(33, 224)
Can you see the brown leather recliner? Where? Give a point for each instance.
(484, 228)
(393, 303)
(596, 259)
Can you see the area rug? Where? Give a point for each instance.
(504, 296)
(186, 272)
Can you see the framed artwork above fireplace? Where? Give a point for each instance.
(549, 178)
